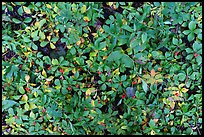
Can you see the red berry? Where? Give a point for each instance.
(61, 70)
(15, 117)
(49, 68)
(195, 55)
(34, 123)
(43, 110)
(134, 82)
(99, 72)
(123, 96)
(77, 85)
(177, 94)
(85, 108)
(99, 102)
(176, 53)
(69, 88)
(20, 66)
(27, 89)
(32, 63)
(133, 97)
(106, 100)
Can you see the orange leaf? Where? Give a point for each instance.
(153, 73)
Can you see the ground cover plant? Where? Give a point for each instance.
(102, 68)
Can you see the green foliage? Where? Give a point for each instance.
(104, 68)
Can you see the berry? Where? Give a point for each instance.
(43, 110)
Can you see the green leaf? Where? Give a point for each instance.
(7, 104)
(181, 76)
(21, 90)
(119, 102)
(189, 57)
(54, 39)
(197, 46)
(57, 82)
(42, 22)
(189, 50)
(144, 37)
(73, 51)
(175, 41)
(11, 112)
(103, 87)
(127, 61)
(191, 37)
(122, 41)
(152, 123)
(200, 36)
(16, 21)
(44, 43)
(55, 62)
(41, 35)
(144, 86)
(35, 47)
(128, 28)
(32, 115)
(20, 11)
(26, 39)
(123, 77)
(116, 55)
(28, 20)
(86, 113)
(186, 32)
(192, 25)
(199, 60)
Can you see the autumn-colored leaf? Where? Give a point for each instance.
(152, 72)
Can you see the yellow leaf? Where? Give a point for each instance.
(32, 84)
(37, 24)
(35, 94)
(48, 6)
(124, 127)
(49, 37)
(116, 72)
(180, 86)
(184, 90)
(24, 98)
(101, 121)
(47, 90)
(44, 73)
(78, 43)
(27, 10)
(32, 105)
(42, 35)
(110, 3)
(152, 132)
(27, 78)
(83, 9)
(172, 104)
(86, 19)
(50, 78)
(85, 35)
(52, 46)
(92, 103)
(89, 91)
